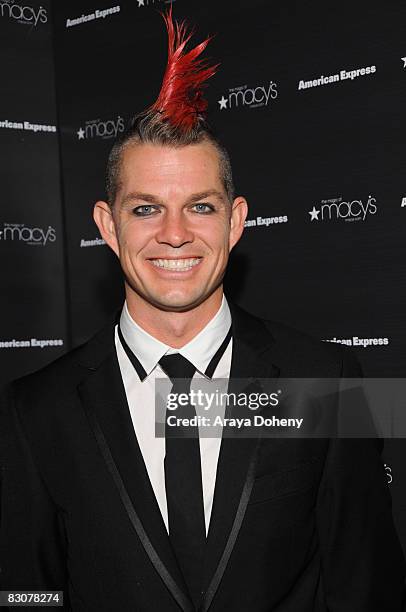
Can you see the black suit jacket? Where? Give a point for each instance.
(297, 525)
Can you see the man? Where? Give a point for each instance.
(95, 505)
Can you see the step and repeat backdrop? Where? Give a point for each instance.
(310, 100)
(33, 319)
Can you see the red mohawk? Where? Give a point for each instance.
(181, 100)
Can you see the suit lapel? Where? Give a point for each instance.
(252, 358)
(104, 400)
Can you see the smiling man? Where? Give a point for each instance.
(172, 221)
(96, 505)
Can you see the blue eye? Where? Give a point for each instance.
(144, 210)
(204, 208)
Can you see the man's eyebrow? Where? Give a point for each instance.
(206, 194)
(145, 197)
(153, 199)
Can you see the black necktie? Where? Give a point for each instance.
(183, 473)
(183, 480)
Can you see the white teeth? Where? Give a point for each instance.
(176, 264)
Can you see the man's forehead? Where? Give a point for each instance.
(188, 167)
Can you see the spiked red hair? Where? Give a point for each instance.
(181, 100)
(177, 118)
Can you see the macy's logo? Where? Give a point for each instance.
(18, 232)
(23, 14)
(252, 97)
(354, 210)
(101, 129)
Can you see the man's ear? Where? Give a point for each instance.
(239, 213)
(103, 217)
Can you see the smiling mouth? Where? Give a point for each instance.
(177, 265)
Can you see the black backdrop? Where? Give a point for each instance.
(310, 101)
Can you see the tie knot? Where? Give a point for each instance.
(177, 366)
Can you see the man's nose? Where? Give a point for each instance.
(175, 229)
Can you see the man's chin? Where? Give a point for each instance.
(177, 305)
(172, 300)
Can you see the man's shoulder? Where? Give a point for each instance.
(62, 376)
(303, 354)
(296, 339)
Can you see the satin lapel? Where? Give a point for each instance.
(105, 402)
(253, 356)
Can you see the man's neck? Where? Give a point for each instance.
(173, 328)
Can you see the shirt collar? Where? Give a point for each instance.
(198, 351)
